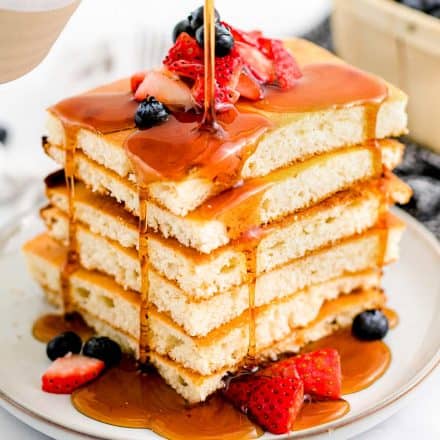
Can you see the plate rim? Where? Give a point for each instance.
(390, 403)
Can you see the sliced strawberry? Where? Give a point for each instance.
(284, 368)
(249, 37)
(136, 80)
(169, 90)
(70, 372)
(258, 64)
(239, 390)
(276, 402)
(286, 68)
(185, 58)
(227, 73)
(321, 373)
(249, 87)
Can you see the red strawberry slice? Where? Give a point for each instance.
(276, 402)
(284, 368)
(136, 79)
(249, 87)
(185, 58)
(286, 69)
(239, 390)
(70, 372)
(321, 372)
(249, 37)
(260, 66)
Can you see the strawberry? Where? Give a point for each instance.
(250, 37)
(286, 69)
(321, 372)
(284, 368)
(166, 88)
(70, 372)
(260, 66)
(276, 402)
(185, 58)
(239, 390)
(136, 80)
(249, 87)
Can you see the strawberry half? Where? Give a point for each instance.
(257, 63)
(276, 402)
(136, 79)
(70, 372)
(284, 368)
(321, 373)
(239, 390)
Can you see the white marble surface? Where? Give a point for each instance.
(419, 419)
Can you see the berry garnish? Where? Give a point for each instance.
(149, 113)
(182, 26)
(59, 346)
(103, 348)
(70, 372)
(321, 373)
(196, 18)
(370, 325)
(249, 87)
(276, 402)
(224, 41)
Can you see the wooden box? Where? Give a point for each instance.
(403, 46)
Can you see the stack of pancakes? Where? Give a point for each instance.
(320, 231)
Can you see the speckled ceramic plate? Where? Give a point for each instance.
(412, 284)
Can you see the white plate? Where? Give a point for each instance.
(413, 286)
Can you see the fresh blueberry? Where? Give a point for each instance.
(196, 17)
(370, 325)
(103, 348)
(150, 112)
(3, 135)
(59, 346)
(182, 26)
(224, 41)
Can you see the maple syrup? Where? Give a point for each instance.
(48, 326)
(314, 413)
(362, 362)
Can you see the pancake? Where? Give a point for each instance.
(257, 201)
(294, 137)
(201, 276)
(115, 312)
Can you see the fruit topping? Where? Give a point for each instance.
(166, 88)
(370, 325)
(64, 343)
(103, 348)
(244, 63)
(273, 396)
(224, 41)
(136, 80)
(196, 18)
(276, 402)
(249, 87)
(321, 373)
(182, 26)
(70, 372)
(150, 112)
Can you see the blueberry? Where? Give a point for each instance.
(150, 112)
(59, 346)
(182, 26)
(3, 135)
(103, 348)
(196, 17)
(224, 41)
(370, 325)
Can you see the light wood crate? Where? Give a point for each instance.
(403, 46)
